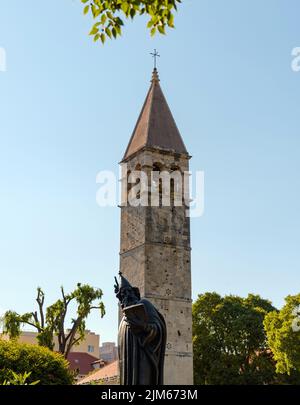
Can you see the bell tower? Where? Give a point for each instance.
(155, 253)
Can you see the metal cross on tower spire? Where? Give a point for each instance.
(155, 55)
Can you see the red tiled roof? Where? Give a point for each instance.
(111, 370)
(81, 362)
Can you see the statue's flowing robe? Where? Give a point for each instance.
(141, 355)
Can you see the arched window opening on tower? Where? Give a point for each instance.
(156, 186)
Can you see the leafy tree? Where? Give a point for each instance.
(229, 340)
(108, 13)
(20, 362)
(51, 322)
(283, 333)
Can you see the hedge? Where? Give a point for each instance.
(48, 367)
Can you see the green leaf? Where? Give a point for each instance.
(132, 13)
(86, 9)
(108, 32)
(161, 29)
(118, 29)
(150, 23)
(94, 31)
(103, 38)
(119, 21)
(171, 21)
(125, 7)
(97, 12)
(93, 7)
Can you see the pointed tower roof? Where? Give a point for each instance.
(156, 127)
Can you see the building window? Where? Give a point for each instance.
(90, 349)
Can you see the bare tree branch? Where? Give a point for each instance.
(40, 300)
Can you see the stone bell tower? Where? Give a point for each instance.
(155, 250)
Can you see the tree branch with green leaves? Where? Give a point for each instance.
(51, 322)
(109, 15)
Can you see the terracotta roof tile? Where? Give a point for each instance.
(111, 370)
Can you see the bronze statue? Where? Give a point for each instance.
(142, 338)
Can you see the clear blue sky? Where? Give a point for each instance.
(67, 110)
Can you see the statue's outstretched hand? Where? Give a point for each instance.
(116, 286)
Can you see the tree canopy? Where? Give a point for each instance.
(52, 321)
(283, 333)
(230, 345)
(109, 15)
